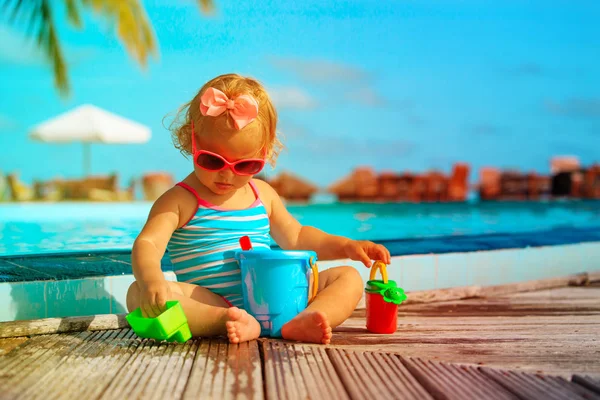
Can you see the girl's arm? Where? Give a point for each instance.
(148, 250)
(291, 235)
(151, 244)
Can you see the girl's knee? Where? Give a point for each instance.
(355, 281)
(350, 275)
(133, 296)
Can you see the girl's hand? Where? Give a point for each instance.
(153, 298)
(365, 251)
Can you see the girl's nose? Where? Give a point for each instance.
(227, 173)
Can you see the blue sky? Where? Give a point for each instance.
(398, 85)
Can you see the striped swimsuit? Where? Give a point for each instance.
(202, 250)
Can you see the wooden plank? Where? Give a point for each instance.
(185, 370)
(223, 370)
(554, 345)
(559, 301)
(349, 375)
(454, 382)
(148, 381)
(49, 326)
(375, 375)
(26, 350)
(588, 382)
(65, 376)
(531, 386)
(318, 372)
(286, 385)
(133, 372)
(7, 345)
(594, 277)
(172, 375)
(468, 292)
(249, 370)
(551, 331)
(107, 365)
(559, 381)
(299, 371)
(32, 363)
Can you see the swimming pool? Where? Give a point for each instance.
(434, 246)
(37, 228)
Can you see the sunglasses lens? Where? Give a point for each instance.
(249, 167)
(210, 162)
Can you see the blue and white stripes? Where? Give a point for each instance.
(202, 250)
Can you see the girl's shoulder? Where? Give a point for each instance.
(183, 200)
(265, 192)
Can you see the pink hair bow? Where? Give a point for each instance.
(243, 109)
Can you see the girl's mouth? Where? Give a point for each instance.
(223, 185)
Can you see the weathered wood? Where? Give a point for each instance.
(134, 371)
(186, 369)
(594, 276)
(551, 331)
(288, 382)
(25, 350)
(299, 371)
(537, 285)
(8, 344)
(64, 378)
(103, 368)
(48, 326)
(588, 382)
(350, 376)
(534, 387)
(223, 370)
(471, 292)
(148, 381)
(171, 373)
(453, 382)
(468, 292)
(560, 382)
(318, 373)
(375, 375)
(26, 367)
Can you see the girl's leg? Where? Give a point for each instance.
(340, 290)
(207, 313)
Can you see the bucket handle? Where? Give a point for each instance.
(315, 270)
(379, 265)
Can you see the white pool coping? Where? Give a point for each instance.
(106, 295)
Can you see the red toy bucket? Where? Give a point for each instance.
(382, 298)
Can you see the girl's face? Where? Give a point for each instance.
(240, 145)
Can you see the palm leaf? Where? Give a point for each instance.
(131, 22)
(48, 41)
(16, 8)
(40, 25)
(133, 27)
(73, 13)
(207, 6)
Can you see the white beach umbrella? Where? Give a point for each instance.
(90, 124)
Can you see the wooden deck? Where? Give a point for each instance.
(534, 345)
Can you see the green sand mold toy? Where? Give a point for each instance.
(171, 325)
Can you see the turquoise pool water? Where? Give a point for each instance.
(64, 227)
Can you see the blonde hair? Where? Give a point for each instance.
(232, 85)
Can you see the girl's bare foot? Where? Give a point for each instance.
(241, 326)
(308, 326)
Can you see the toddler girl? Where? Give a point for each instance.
(229, 128)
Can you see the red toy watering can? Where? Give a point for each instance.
(383, 298)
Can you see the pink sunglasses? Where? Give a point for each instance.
(214, 162)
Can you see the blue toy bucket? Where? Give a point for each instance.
(275, 285)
